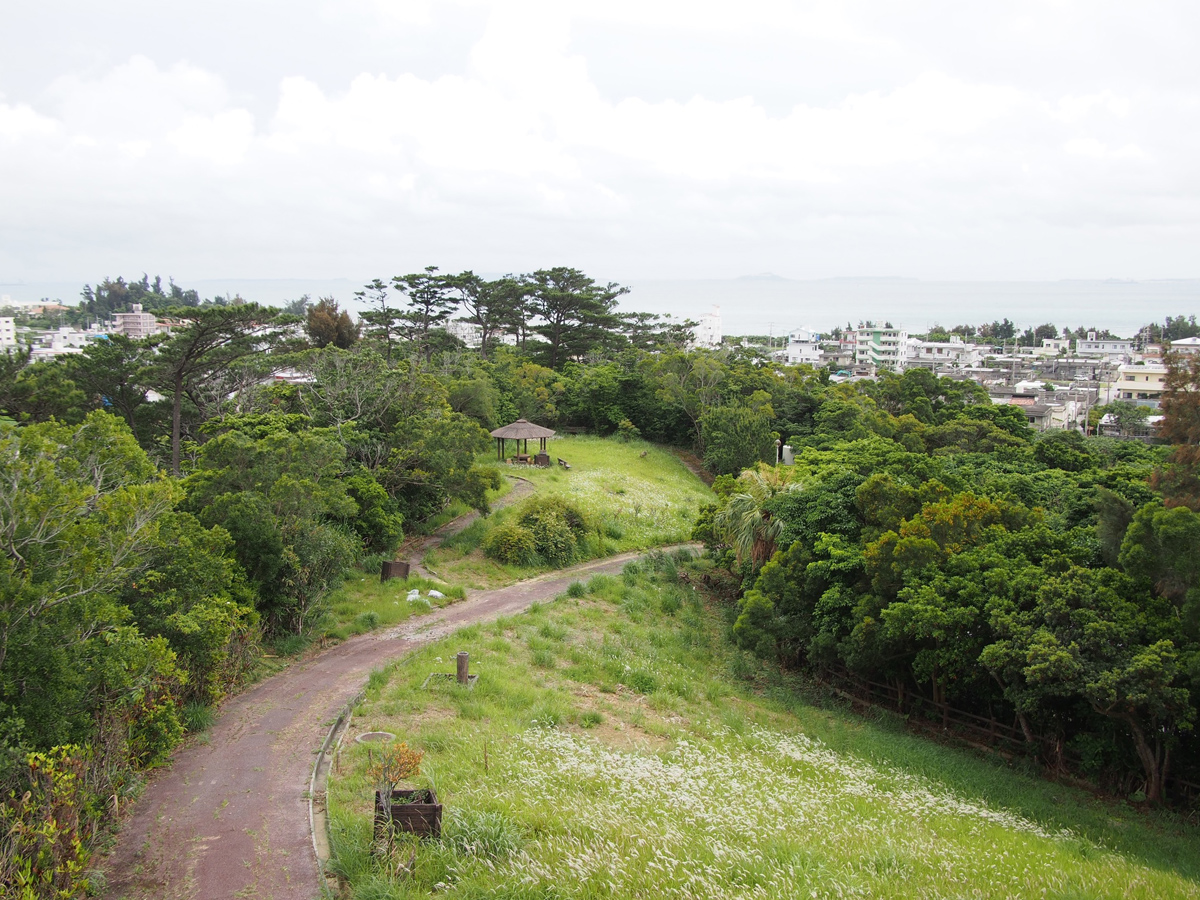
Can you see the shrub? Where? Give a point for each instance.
(557, 528)
(576, 589)
(512, 544)
(547, 530)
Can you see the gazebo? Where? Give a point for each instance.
(520, 430)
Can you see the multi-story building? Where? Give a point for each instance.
(1104, 349)
(136, 324)
(708, 330)
(8, 331)
(936, 354)
(803, 347)
(1186, 346)
(882, 347)
(1142, 383)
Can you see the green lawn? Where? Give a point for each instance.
(636, 496)
(614, 746)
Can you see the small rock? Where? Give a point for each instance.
(436, 595)
(414, 594)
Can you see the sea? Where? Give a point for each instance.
(771, 305)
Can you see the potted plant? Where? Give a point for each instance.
(402, 809)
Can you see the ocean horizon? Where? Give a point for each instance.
(768, 304)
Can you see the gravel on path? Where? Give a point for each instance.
(230, 816)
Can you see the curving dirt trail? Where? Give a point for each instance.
(229, 818)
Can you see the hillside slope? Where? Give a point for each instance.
(614, 747)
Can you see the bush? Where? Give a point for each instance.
(512, 544)
(547, 530)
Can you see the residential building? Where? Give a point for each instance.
(882, 347)
(708, 330)
(1104, 349)
(1110, 427)
(8, 331)
(938, 354)
(467, 332)
(135, 324)
(1141, 383)
(803, 347)
(65, 341)
(1186, 346)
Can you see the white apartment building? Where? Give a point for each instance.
(1142, 384)
(708, 330)
(8, 331)
(65, 341)
(136, 324)
(1104, 349)
(803, 347)
(882, 347)
(1186, 346)
(935, 354)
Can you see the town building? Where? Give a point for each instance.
(1186, 346)
(1141, 383)
(1093, 347)
(135, 324)
(65, 341)
(803, 347)
(708, 330)
(8, 331)
(881, 347)
(953, 353)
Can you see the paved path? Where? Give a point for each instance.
(229, 818)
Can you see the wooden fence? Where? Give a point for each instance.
(982, 732)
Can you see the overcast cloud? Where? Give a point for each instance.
(364, 138)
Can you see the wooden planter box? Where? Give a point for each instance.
(416, 812)
(393, 569)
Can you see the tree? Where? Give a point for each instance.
(690, 382)
(207, 346)
(79, 506)
(281, 497)
(1088, 635)
(1162, 545)
(575, 312)
(738, 436)
(430, 301)
(1179, 478)
(382, 320)
(113, 375)
(326, 324)
(490, 305)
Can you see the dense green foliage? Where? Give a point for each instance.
(935, 545)
(167, 504)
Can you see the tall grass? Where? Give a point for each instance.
(609, 750)
(634, 495)
(364, 603)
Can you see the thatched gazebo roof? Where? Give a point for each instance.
(520, 430)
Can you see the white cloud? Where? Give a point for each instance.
(515, 153)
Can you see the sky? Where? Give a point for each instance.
(367, 138)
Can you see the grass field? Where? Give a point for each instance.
(614, 746)
(635, 495)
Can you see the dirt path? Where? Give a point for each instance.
(522, 488)
(229, 818)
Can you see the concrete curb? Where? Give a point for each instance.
(318, 820)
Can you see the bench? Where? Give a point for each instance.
(562, 462)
